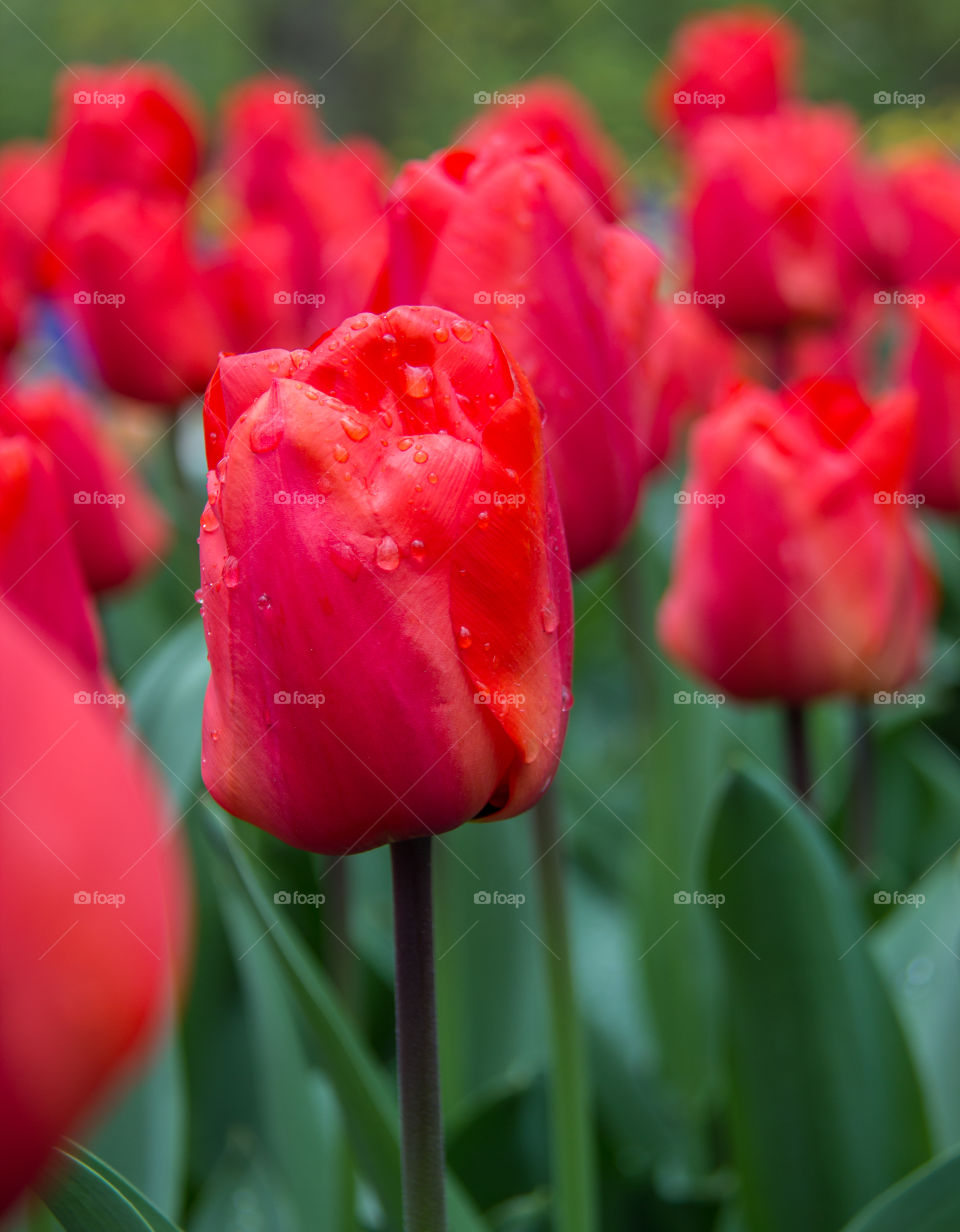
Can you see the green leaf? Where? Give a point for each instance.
(87, 1194)
(926, 1201)
(369, 1107)
(826, 1108)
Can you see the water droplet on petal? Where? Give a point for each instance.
(208, 520)
(388, 554)
(441, 334)
(549, 617)
(462, 330)
(222, 468)
(420, 455)
(386, 419)
(340, 453)
(355, 430)
(312, 395)
(214, 734)
(405, 443)
(346, 560)
(483, 519)
(418, 550)
(266, 434)
(263, 602)
(198, 596)
(432, 478)
(464, 638)
(566, 699)
(213, 487)
(359, 323)
(230, 572)
(418, 381)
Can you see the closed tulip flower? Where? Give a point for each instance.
(118, 529)
(736, 62)
(799, 570)
(386, 594)
(930, 363)
(925, 187)
(93, 906)
(512, 238)
(778, 218)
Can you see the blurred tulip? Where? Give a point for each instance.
(512, 238)
(799, 568)
(930, 362)
(737, 62)
(137, 290)
(40, 576)
(132, 126)
(93, 906)
(551, 116)
(925, 187)
(779, 223)
(386, 594)
(118, 529)
(29, 189)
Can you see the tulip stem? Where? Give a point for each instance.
(798, 749)
(417, 1064)
(864, 786)
(574, 1165)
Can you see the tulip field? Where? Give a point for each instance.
(479, 619)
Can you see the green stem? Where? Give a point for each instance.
(864, 787)
(798, 750)
(574, 1164)
(418, 1069)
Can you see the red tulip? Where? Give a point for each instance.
(926, 247)
(137, 290)
(737, 62)
(386, 594)
(551, 116)
(125, 126)
(41, 581)
(29, 188)
(799, 571)
(118, 529)
(930, 361)
(92, 906)
(512, 238)
(778, 219)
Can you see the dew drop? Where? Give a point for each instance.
(312, 395)
(418, 381)
(417, 549)
(420, 455)
(549, 617)
(198, 596)
(355, 430)
(359, 323)
(214, 734)
(462, 330)
(483, 519)
(208, 520)
(266, 434)
(263, 602)
(405, 443)
(340, 453)
(386, 419)
(222, 468)
(388, 554)
(566, 699)
(441, 334)
(464, 638)
(432, 478)
(213, 487)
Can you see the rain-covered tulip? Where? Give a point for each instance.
(735, 62)
(930, 363)
(93, 906)
(118, 529)
(925, 187)
(550, 115)
(800, 571)
(779, 219)
(41, 581)
(135, 286)
(512, 238)
(385, 587)
(132, 126)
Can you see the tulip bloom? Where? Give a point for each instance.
(129, 126)
(779, 226)
(734, 63)
(386, 593)
(799, 571)
(512, 237)
(926, 246)
(92, 906)
(551, 116)
(137, 290)
(931, 365)
(118, 528)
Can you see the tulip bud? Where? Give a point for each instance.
(92, 905)
(799, 570)
(385, 586)
(931, 366)
(511, 238)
